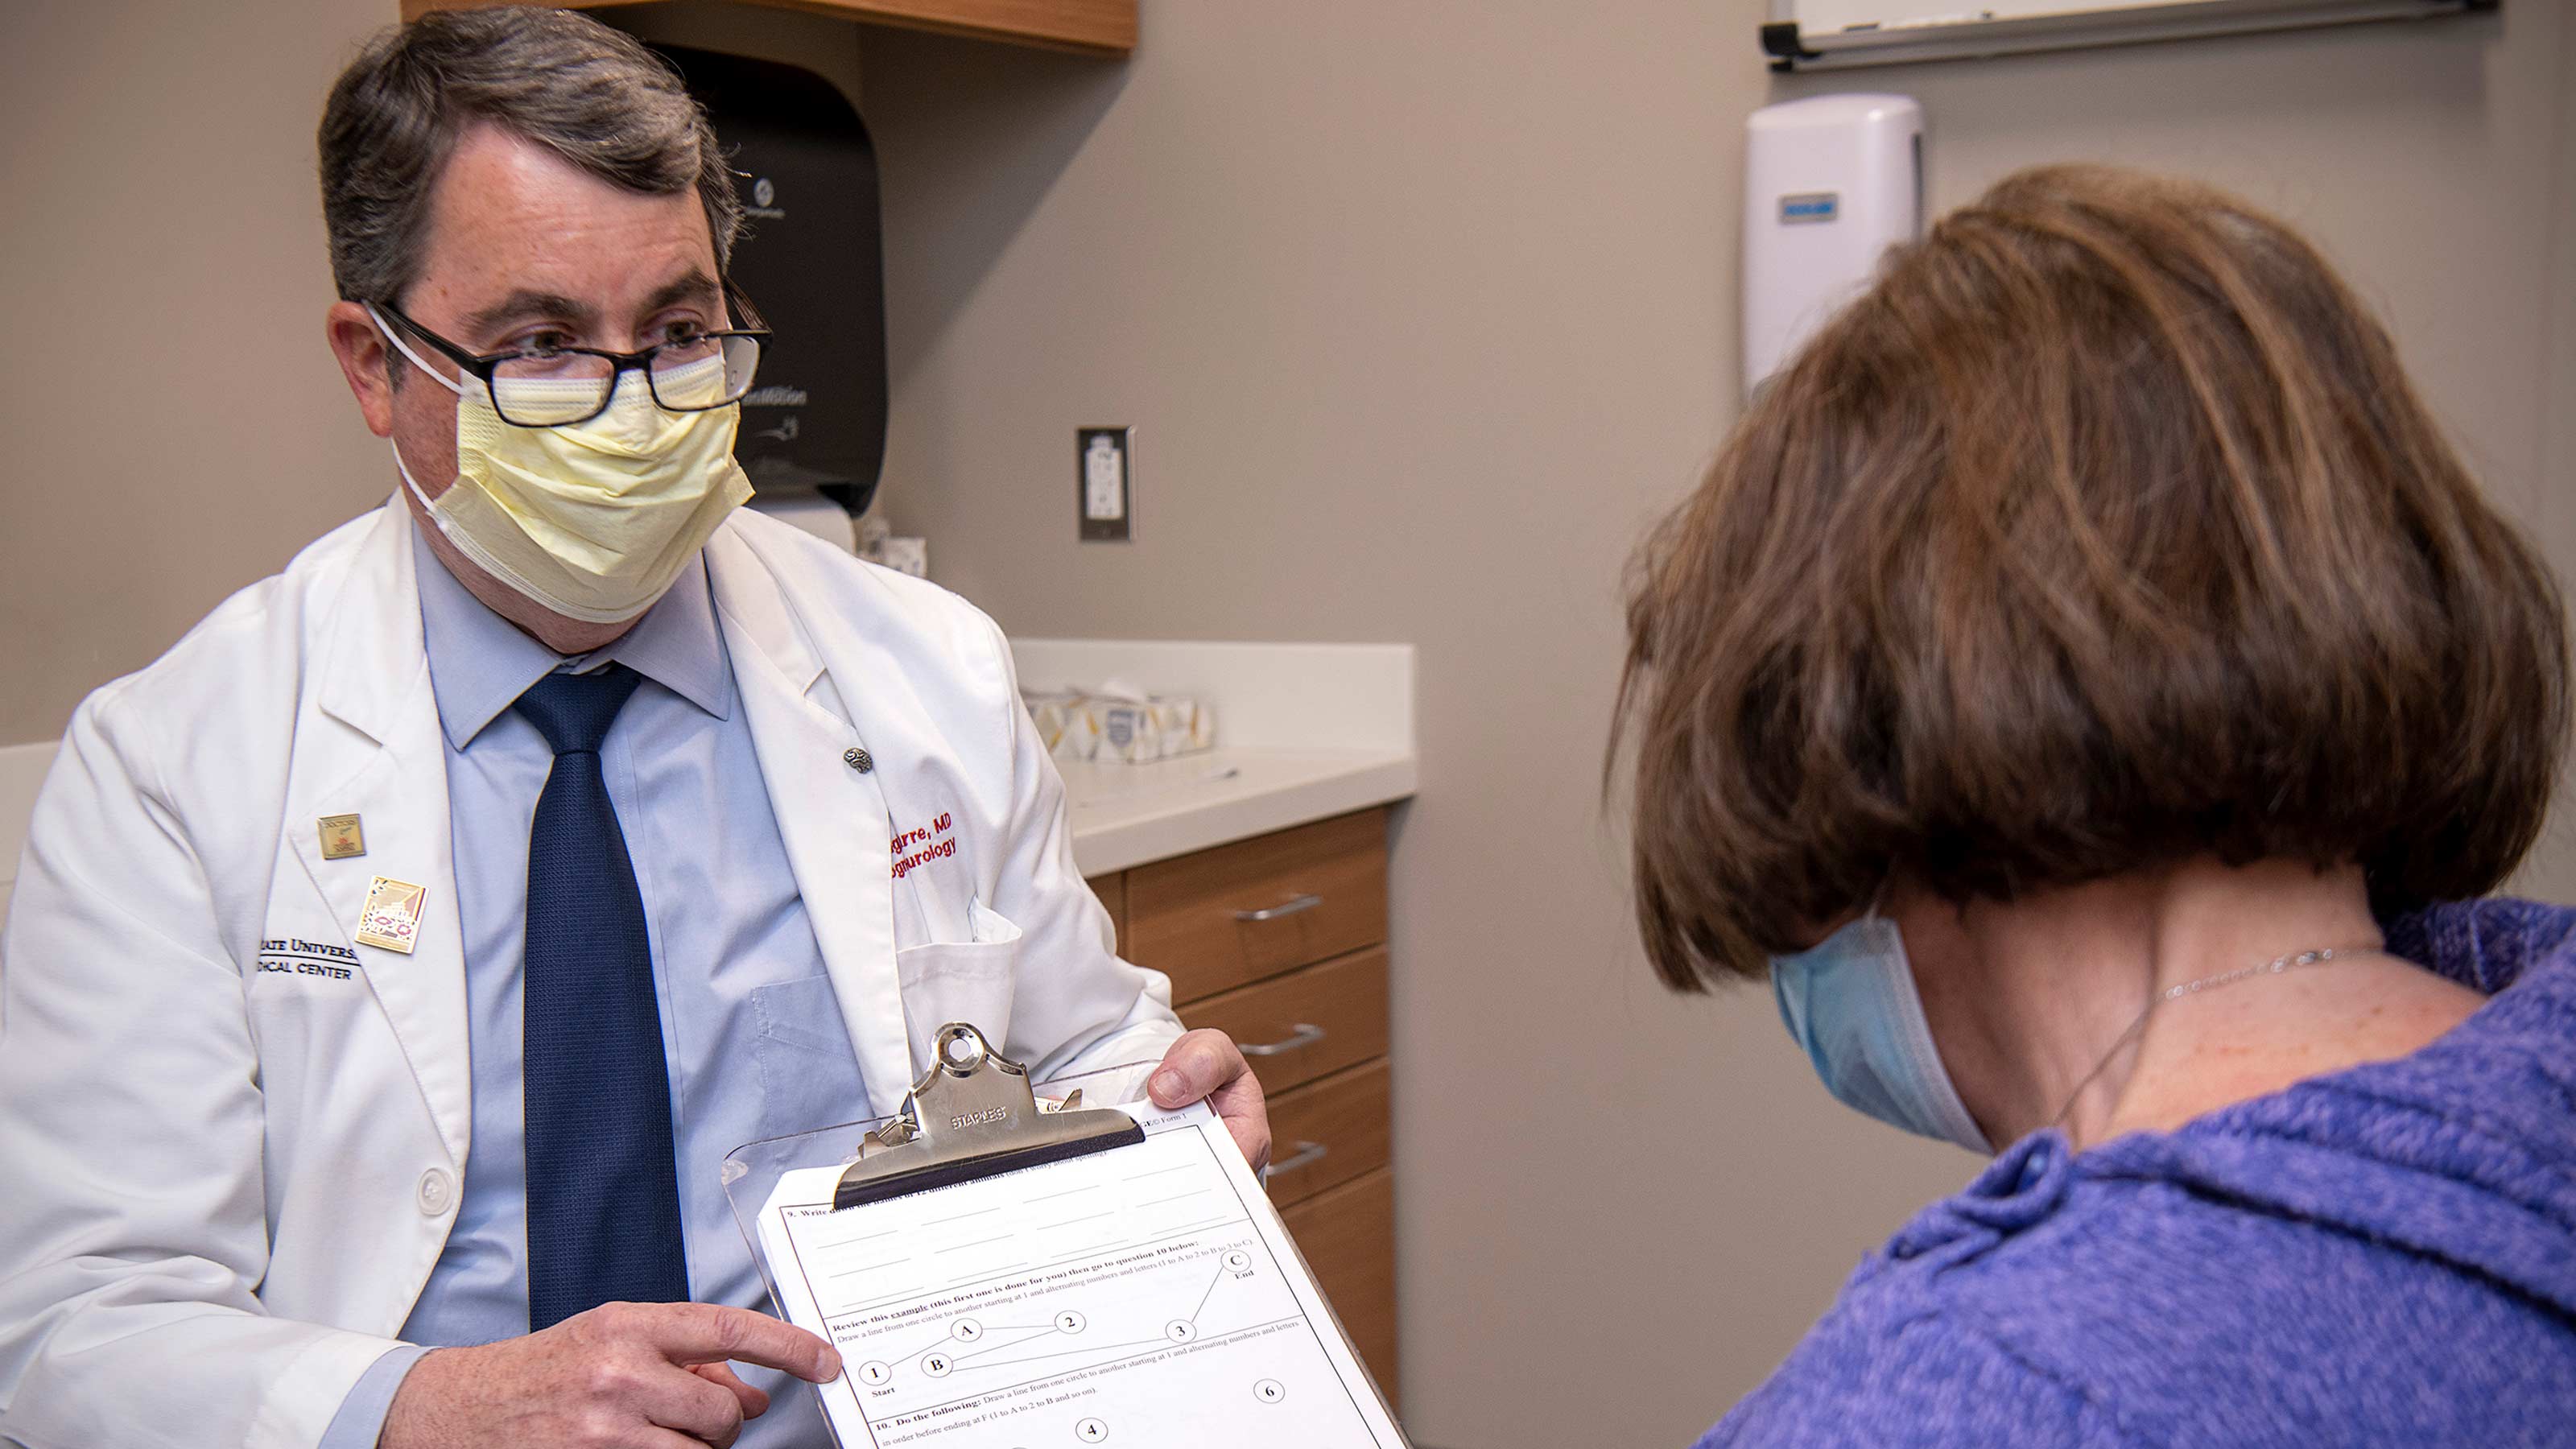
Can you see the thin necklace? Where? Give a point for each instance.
(2321, 956)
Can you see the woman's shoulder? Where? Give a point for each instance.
(1929, 1378)
(2169, 1286)
(1930, 1342)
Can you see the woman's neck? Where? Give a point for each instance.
(2049, 1010)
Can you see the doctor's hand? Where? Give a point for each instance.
(1205, 1063)
(627, 1375)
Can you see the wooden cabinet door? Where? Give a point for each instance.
(1348, 1237)
(1299, 1027)
(1239, 913)
(1325, 1133)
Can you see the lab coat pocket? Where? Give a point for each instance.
(968, 981)
(809, 1075)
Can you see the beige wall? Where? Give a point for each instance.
(1421, 311)
(176, 426)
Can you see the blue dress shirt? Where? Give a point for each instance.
(749, 1024)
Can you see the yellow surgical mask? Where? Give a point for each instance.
(591, 520)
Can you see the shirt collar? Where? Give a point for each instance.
(480, 663)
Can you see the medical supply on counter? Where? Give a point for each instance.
(1117, 723)
(903, 553)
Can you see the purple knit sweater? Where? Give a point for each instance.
(2381, 1256)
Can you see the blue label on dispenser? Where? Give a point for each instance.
(1810, 206)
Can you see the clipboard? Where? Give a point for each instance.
(1005, 1263)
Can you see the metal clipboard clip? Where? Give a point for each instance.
(973, 1115)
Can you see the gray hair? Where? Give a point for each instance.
(592, 95)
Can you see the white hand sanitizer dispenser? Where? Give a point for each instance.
(1830, 183)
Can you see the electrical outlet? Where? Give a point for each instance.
(1104, 479)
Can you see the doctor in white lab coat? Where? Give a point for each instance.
(233, 1135)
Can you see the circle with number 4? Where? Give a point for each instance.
(1238, 1261)
(966, 1330)
(1070, 1321)
(873, 1372)
(1180, 1330)
(937, 1365)
(1270, 1391)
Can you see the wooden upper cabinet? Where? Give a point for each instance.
(1093, 27)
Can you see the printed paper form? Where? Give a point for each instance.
(1141, 1296)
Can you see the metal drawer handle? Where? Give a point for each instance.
(1305, 1034)
(1285, 908)
(1307, 1153)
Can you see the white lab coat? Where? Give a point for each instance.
(222, 1186)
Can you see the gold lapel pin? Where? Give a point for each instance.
(341, 837)
(391, 917)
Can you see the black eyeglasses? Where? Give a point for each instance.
(552, 387)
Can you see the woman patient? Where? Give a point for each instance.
(2092, 694)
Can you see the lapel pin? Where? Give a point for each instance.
(858, 759)
(341, 837)
(391, 917)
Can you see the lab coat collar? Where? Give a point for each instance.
(372, 656)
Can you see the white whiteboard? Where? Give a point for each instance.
(1865, 32)
(1825, 16)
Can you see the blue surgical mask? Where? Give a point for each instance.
(1849, 1002)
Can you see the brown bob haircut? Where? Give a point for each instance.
(2104, 531)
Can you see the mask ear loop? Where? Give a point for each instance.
(1959, 1126)
(395, 340)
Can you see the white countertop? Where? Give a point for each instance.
(1125, 815)
(1304, 732)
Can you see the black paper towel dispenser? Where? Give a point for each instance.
(811, 258)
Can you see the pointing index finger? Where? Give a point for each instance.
(711, 1333)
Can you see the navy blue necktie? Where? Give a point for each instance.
(603, 1194)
